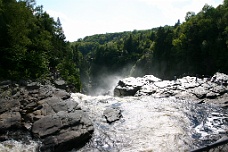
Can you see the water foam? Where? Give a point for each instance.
(19, 146)
(149, 124)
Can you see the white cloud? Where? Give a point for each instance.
(177, 9)
(69, 24)
(126, 16)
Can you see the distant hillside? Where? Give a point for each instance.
(198, 46)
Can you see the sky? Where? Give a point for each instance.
(82, 18)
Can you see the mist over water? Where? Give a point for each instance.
(104, 85)
(106, 81)
(148, 124)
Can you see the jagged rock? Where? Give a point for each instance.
(55, 104)
(163, 84)
(125, 91)
(9, 105)
(59, 131)
(60, 84)
(151, 78)
(200, 92)
(33, 85)
(112, 114)
(10, 120)
(46, 91)
(220, 78)
(219, 89)
(212, 95)
(147, 90)
(44, 111)
(6, 82)
(62, 94)
(186, 87)
(129, 86)
(10, 117)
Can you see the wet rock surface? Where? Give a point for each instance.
(175, 114)
(148, 123)
(46, 113)
(112, 114)
(212, 89)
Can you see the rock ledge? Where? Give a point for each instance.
(46, 113)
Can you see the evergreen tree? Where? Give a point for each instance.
(32, 44)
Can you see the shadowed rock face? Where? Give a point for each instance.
(186, 87)
(47, 113)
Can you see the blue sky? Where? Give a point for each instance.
(82, 18)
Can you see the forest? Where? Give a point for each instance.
(33, 46)
(196, 47)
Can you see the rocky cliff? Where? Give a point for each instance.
(211, 89)
(43, 112)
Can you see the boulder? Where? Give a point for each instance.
(60, 84)
(10, 120)
(44, 112)
(200, 92)
(129, 86)
(151, 78)
(6, 82)
(112, 114)
(9, 105)
(125, 91)
(220, 78)
(58, 132)
(33, 85)
(187, 87)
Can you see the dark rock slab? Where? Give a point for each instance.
(33, 85)
(112, 114)
(129, 86)
(63, 131)
(62, 94)
(212, 95)
(60, 84)
(44, 112)
(9, 105)
(10, 120)
(6, 82)
(187, 87)
(126, 91)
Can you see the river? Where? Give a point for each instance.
(153, 124)
(147, 124)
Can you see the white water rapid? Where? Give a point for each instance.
(19, 146)
(152, 124)
(147, 125)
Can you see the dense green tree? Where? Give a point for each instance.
(196, 46)
(32, 44)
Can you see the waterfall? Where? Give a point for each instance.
(147, 124)
(153, 124)
(180, 115)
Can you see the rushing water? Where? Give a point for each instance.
(153, 124)
(147, 124)
(19, 146)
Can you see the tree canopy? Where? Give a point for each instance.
(32, 44)
(197, 46)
